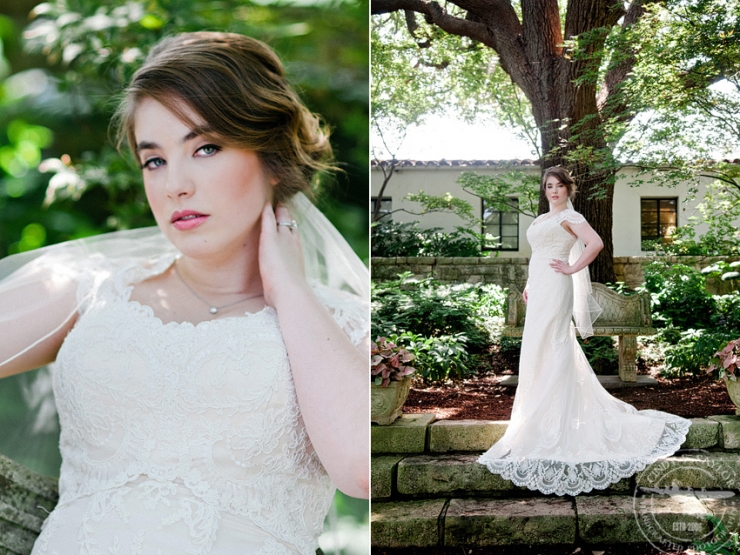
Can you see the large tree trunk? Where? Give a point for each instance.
(564, 104)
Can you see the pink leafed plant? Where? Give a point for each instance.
(726, 361)
(388, 362)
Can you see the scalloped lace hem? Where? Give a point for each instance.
(568, 478)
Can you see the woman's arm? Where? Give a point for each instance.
(593, 245)
(35, 317)
(329, 372)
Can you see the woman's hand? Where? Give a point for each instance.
(319, 351)
(561, 267)
(525, 295)
(280, 255)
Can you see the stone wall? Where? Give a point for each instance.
(508, 272)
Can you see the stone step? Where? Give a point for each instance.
(421, 433)
(663, 520)
(460, 475)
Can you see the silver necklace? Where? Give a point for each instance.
(213, 309)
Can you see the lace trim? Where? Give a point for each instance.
(569, 478)
(569, 215)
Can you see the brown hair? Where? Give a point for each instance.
(563, 176)
(236, 85)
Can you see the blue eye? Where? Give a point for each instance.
(152, 163)
(209, 150)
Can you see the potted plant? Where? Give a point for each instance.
(726, 366)
(391, 380)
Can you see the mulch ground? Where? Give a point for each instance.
(481, 398)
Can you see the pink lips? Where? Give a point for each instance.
(187, 219)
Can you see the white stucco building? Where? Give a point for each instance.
(644, 211)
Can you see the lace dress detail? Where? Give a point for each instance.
(183, 439)
(567, 435)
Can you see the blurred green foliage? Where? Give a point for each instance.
(62, 66)
(64, 63)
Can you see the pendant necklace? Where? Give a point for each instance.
(213, 309)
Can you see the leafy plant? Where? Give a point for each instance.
(726, 361)
(693, 351)
(388, 362)
(601, 353)
(430, 309)
(724, 542)
(407, 239)
(438, 358)
(679, 295)
(727, 313)
(726, 271)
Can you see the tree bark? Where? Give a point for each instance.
(565, 106)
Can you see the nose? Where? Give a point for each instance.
(179, 183)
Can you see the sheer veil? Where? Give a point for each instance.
(40, 289)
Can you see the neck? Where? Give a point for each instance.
(235, 274)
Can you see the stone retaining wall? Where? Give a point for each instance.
(508, 272)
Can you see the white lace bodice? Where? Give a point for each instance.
(549, 238)
(197, 425)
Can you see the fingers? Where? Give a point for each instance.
(284, 220)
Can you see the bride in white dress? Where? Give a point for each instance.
(210, 396)
(566, 434)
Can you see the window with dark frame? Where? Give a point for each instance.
(502, 224)
(658, 218)
(385, 207)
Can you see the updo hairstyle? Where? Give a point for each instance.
(563, 176)
(236, 85)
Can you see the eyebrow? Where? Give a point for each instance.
(197, 132)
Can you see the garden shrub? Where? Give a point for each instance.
(430, 309)
(443, 325)
(602, 353)
(407, 239)
(679, 296)
(437, 358)
(727, 313)
(693, 351)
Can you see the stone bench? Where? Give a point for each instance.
(623, 316)
(26, 498)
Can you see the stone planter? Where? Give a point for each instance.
(386, 402)
(733, 389)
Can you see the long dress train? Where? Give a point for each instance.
(567, 435)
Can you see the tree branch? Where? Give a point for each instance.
(617, 74)
(436, 15)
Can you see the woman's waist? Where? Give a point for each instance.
(237, 496)
(549, 255)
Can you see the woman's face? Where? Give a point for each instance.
(556, 192)
(206, 198)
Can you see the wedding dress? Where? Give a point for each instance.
(176, 438)
(179, 438)
(566, 434)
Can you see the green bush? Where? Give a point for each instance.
(437, 358)
(407, 239)
(430, 309)
(727, 314)
(602, 354)
(442, 325)
(693, 351)
(679, 296)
